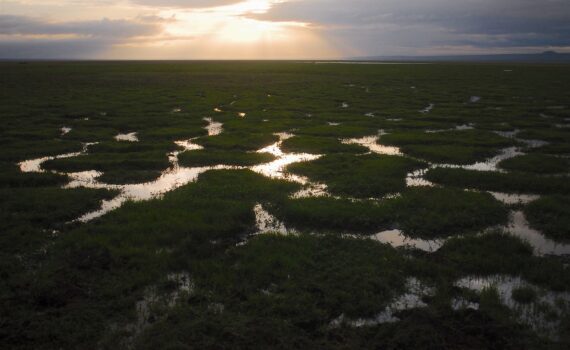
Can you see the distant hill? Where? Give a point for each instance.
(545, 57)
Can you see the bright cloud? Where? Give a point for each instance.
(268, 29)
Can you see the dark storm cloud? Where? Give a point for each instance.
(424, 23)
(29, 37)
(21, 25)
(53, 49)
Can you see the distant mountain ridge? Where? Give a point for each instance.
(544, 57)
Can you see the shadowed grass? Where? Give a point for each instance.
(319, 145)
(441, 212)
(359, 176)
(213, 157)
(551, 215)
(536, 163)
(493, 181)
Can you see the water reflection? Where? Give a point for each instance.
(130, 137)
(514, 198)
(214, 128)
(371, 142)
(276, 168)
(397, 238)
(267, 223)
(168, 181)
(542, 245)
(177, 176)
(538, 314)
(427, 109)
(35, 165)
(64, 130)
(411, 299)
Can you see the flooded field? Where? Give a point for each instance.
(337, 205)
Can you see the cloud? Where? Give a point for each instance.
(22, 25)
(30, 37)
(383, 25)
(186, 3)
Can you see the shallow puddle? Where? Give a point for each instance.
(214, 128)
(35, 165)
(65, 130)
(397, 238)
(416, 179)
(428, 108)
(518, 226)
(514, 198)
(537, 314)
(491, 163)
(177, 176)
(130, 137)
(276, 168)
(371, 142)
(168, 181)
(153, 301)
(267, 223)
(411, 299)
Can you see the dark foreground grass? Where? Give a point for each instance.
(47, 207)
(418, 328)
(12, 177)
(105, 265)
(551, 215)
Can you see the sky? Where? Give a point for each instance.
(278, 29)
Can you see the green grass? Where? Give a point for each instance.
(335, 214)
(319, 145)
(363, 176)
(47, 207)
(493, 181)
(238, 141)
(208, 158)
(456, 147)
(122, 167)
(423, 212)
(78, 289)
(440, 212)
(489, 254)
(524, 295)
(551, 215)
(537, 164)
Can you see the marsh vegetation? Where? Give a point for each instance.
(284, 205)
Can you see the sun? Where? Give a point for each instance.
(232, 24)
